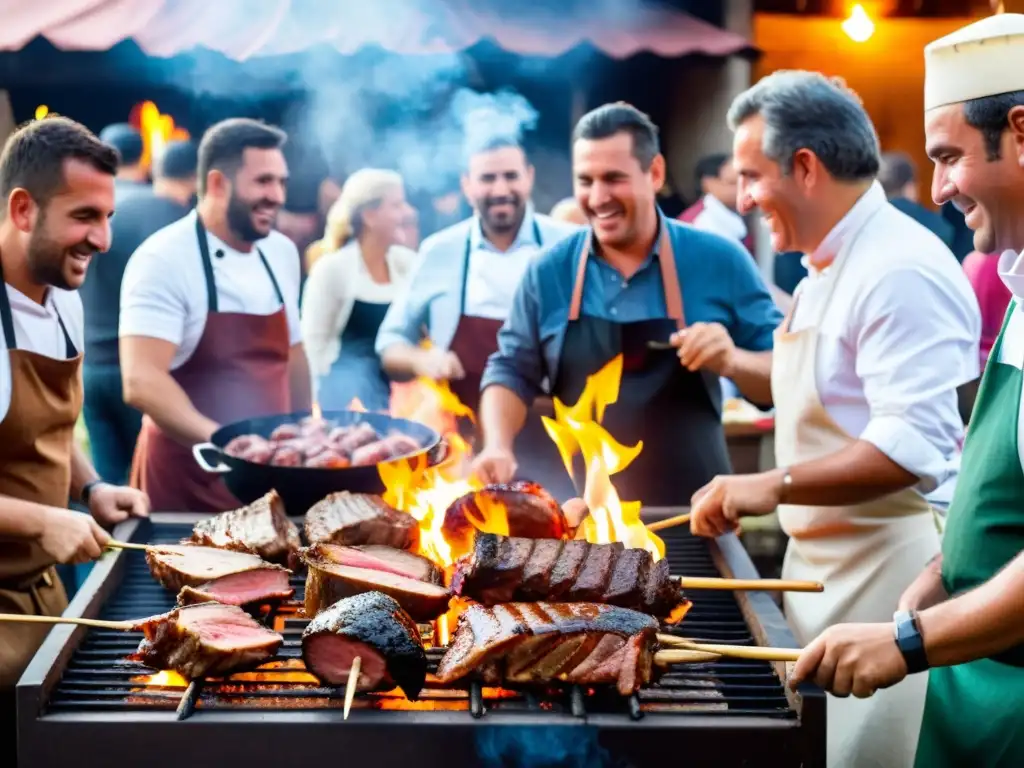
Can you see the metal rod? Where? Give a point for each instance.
(187, 705)
(635, 713)
(577, 702)
(476, 699)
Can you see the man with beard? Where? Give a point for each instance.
(209, 324)
(615, 289)
(962, 617)
(57, 184)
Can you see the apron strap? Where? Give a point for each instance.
(7, 319)
(669, 279)
(211, 285)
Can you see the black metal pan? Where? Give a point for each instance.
(302, 487)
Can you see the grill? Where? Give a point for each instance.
(80, 698)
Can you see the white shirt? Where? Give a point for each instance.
(1011, 350)
(336, 281)
(37, 329)
(900, 334)
(163, 292)
(494, 275)
(718, 218)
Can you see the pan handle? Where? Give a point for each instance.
(197, 451)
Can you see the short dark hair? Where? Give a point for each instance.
(991, 116)
(126, 139)
(224, 143)
(896, 172)
(612, 119)
(491, 143)
(178, 160)
(710, 166)
(33, 156)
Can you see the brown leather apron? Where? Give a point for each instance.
(239, 371)
(475, 340)
(36, 440)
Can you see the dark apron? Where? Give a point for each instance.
(675, 412)
(36, 442)
(357, 371)
(475, 340)
(239, 370)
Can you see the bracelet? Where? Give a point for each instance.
(87, 490)
(787, 483)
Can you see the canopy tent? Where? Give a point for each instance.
(246, 29)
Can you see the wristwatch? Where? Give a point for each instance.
(87, 490)
(909, 641)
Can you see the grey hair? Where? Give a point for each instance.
(806, 110)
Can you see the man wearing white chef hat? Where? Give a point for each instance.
(971, 626)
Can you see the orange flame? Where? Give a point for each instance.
(157, 129)
(577, 429)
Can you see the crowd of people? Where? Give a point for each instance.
(199, 311)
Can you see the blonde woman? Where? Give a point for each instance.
(354, 273)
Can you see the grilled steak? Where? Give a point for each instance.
(261, 585)
(530, 511)
(177, 566)
(373, 627)
(327, 582)
(358, 518)
(261, 528)
(586, 643)
(501, 569)
(203, 640)
(377, 557)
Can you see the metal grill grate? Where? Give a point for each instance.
(97, 678)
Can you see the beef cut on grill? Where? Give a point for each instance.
(358, 518)
(328, 581)
(585, 643)
(230, 577)
(203, 640)
(501, 569)
(261, 528)
(373, 627)
(531, 512)
(377, 557)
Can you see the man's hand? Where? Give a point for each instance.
(718, 506)
(851, 658)
(111, 504)
(926, 590)
(71, 537)
(438, 364)
(705, 345)
(494, 465)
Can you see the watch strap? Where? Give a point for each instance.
(87, 490)
(909, 641)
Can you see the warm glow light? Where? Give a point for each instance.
(156, 129)
(316, 413)
(859, 27)
(42, 111)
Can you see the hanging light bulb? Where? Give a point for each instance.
(859, 27)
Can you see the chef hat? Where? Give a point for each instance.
(985, 58)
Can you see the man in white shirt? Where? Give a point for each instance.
(864, 379)
(716, 209)
(209, 324)
(57, 184)
(970, 629)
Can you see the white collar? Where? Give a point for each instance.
(1011, 272)
(844, 231)
(728, 217)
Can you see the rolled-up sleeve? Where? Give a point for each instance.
(756, 314)
(911, 357)
(518, 364)
(407, 315)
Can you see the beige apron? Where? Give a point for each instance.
(865, 554)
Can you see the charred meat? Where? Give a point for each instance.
(185, 565)
(203, 640)
(501, 569)
(376, 557)
(585, 643)
(373, 627)
(352, 519)
(328, 581)
(530, 510)
(261, 528)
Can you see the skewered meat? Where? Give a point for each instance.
(327, 582)
(177, 566)
(376, 557)
(501, 569)
(358, 518)
(262, 585)
(586, 643)
(529, 509)
(373, 627)
(391, 447)
(203, 640)
(261, 528)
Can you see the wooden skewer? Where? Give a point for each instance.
(17, 617)
(669, 522)
(675, 656)
(353, 681)
(759, 652)
(778, 585)
(112, 544)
